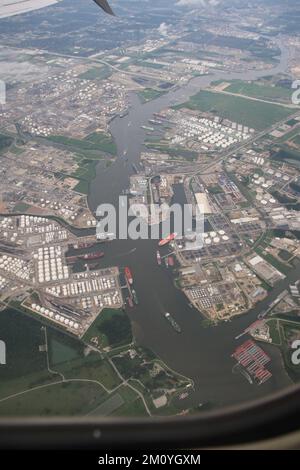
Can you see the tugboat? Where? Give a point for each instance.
(134, 296)
(92, 256)
(173, 323)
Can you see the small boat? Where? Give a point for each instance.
(135, 298)
(92, 256)
(173, 323)
(82, 245)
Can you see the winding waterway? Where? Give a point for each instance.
(203, 354)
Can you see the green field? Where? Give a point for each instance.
(150, 94)
(89, 367)
(176, 152)
(296, 139)
(289, 136)
(26, 372)
(64, 399)
(91, 145)
(112, 328)
(5, 141)
(289, 328)
(21, 207)
(288, 155)
(255, 90)
(274, 330)
(61, 352)
(25, 364)
(131, 408)
(255, 114)
(70, 379)
(152, 65)
(96, 73)
(88, 152)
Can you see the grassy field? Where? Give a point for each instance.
(254, 114)
(96, 73)
(89, 367)
(177, 152)
(133, 405)
(5, 141)
(72, 379)
(289, 135)
(289, 328)
(255, 90)
(88, 152)
(296, 139)
(64, 399)
(102, 141)
(152, 65)
(274, 330)
(91, 145)
(112, 328)
(286, 154)
(26, 372)
(21, 207)
(150, 94)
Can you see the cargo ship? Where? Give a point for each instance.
(124, 114)
(82, 245)
(71, 259)
(92, 256)
(134, 296)
(173, 323)
(168, 239)
(158, 257)
(128, 275)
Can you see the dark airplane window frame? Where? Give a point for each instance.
(272, 417)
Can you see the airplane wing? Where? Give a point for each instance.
(105, 6)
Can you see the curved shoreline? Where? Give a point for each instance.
(203, 354)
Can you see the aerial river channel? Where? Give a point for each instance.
(202, 354)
